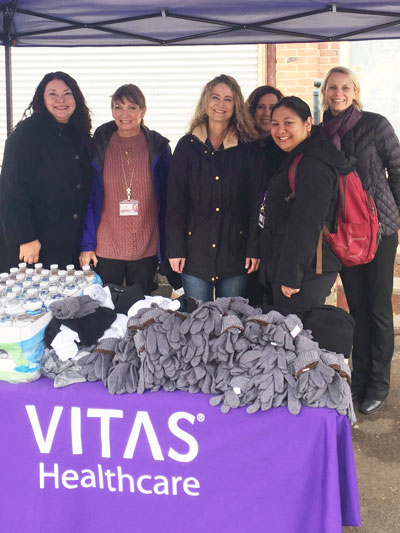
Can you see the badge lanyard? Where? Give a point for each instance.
(128, 207)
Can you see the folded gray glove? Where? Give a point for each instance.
(73, 307)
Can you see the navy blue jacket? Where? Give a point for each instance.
(160, 155)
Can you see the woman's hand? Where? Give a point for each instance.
(86, 257)
(29, 252)
(288, 291)
(178, 264)
(251, 264)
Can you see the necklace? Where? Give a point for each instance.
(125, 150)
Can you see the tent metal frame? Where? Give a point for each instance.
(9, 37)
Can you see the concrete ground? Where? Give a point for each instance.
(376, 444)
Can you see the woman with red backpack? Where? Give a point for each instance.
(293, 220)
(368, 287)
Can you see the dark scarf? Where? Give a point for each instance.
(335, 127)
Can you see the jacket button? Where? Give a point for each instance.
(75, 216)
(205, 151)
(214, 245)
(189, 232)
(79, 186)
(217, 209)
(217, 278)
(212, 279)
(76, 156)
(217, 178)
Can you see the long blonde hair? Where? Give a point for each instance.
(241, 119)
(353, 78)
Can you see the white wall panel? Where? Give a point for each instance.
(171, 78)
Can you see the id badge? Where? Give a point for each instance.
(128, 208)
(261, 220)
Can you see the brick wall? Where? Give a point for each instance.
(298, 65)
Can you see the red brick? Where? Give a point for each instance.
(328, 52)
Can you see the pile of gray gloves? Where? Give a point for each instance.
(232, 350)
(225, 348)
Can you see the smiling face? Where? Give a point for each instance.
(220, 104)
(59, 100)
(288, 129)
(339, 93)
(262, 115)
(128, 117)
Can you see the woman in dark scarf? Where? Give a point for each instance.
(371, 139)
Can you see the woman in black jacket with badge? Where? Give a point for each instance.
(293, 222)
(45, 177)
(371, 139)
(216, 181)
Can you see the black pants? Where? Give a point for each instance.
(368, 290)
(312, 292)
(116, 271)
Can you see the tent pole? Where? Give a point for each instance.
(7, 52)
(271, 64)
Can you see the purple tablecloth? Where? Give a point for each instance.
(79, 460)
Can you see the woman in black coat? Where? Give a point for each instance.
(216, 181)
(45, 177)
(293, 222)
(372, 140)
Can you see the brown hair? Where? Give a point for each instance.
(241, 119)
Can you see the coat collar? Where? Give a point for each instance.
(231, 139)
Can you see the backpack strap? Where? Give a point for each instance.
(292, 173)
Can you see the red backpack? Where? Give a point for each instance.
(357, 228)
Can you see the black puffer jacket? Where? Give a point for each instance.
(375, 145)
(212, 205)
(292, 226)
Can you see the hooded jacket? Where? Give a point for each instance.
(212, 208)
(292, 225)
(160, 155)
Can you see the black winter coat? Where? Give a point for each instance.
(44, 184)
(292, 226)
(212, 207)
(375, 145)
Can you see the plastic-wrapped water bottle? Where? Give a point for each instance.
(70, 287)
(22, 268)
(20, 278)
(38, 268)
(26, 285)
(13, 305)
(45, 274)
(70, 270)
(80, 279)
(54, 269)
(44, 290)
(53, 296)
(29, 274)
(62, 274)
(10, 284)
(13, 272)
(53, 280)
(88, 273)
(36, 279)
(33, 304)
(4, 276)
(5, 319)
(2, 295)
(19, 293)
